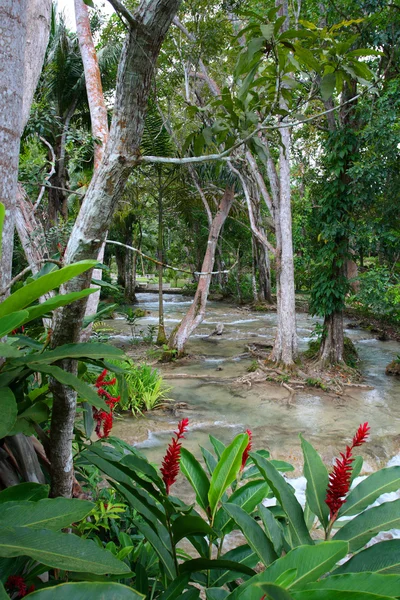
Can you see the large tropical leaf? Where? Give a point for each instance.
(32, 291)
(59, 550)
(317, 482)
(24, 491)
(226, 470)
(76, 351)
(379, 558)
(247, 497)
(367, 491)
(83, 389)
(56, 302)
(9, 411)
(197, 477)
(360, 530)
(12, 321)
(49, 513)
(368, 583)
(286, 498)
(253, 533)
(308, 563)
(87, 590)
(242, 555)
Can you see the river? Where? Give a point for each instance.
(223, 409)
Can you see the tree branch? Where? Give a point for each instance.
(48, 176)
(122, 10)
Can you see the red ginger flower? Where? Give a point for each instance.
(17, 584)
(247, 450)
(170, 465)
(339, 479)
(104, 420)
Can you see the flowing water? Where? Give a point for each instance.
(217, 405)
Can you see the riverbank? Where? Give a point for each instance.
(217, 403)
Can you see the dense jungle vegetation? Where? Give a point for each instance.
(232, 150)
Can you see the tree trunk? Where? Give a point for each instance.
(161, 336)
(130, 276)
(12, 54)
(120, 259)
(98, 118)
(145, 35)
(197, 310)
(332, 345)
(285, 346)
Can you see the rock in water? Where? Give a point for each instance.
(219, 329)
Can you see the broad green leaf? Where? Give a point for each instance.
(140, 464)
(215, 593)
(272, 529)
(82, 388)
(89, 3)
(268, 31)
(143, 504)
(275, 592)
(369, 583)
(367, 491)
(3, 593)
(77, 351)
(49, 513)
(247, 497)
(360, 530)
(175, 588)
(241, 554)
(337, 595)
(205, 564)
(87, 590)
(253, 533)
(317, 482)
(8, 411)
(155, 541)
(38, 287)
(218, 446)
(364, 52)
(190, 525)
(195, 474)
(328, 84)
(306, 57)
(24, 491)
(379, 558)
(311, 562)
(226, 470)
(209, 459)
(59, 550)
(12, 321)
(51, 304)
(9, 351)
(286, 498)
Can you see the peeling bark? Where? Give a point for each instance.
(12, 54)
(141, 48)
(196, 312)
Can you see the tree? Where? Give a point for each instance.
(146, 30)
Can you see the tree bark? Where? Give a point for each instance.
(285, 345)
(196, 312)
(141, 48)
(332, 345)
(12, 55)
(98, 117)
(161, 336)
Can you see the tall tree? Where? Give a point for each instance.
(146, 30)
(12, 60)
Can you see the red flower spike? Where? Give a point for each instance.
(16, 584)
(104, 420)
(170, 464)
(339, 479)
(247, 450)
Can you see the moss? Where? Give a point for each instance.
(313, 349)
(350, 353)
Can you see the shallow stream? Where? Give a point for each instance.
(225, 408)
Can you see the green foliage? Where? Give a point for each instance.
(333, 225)
(378, 293)
(278, 537)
